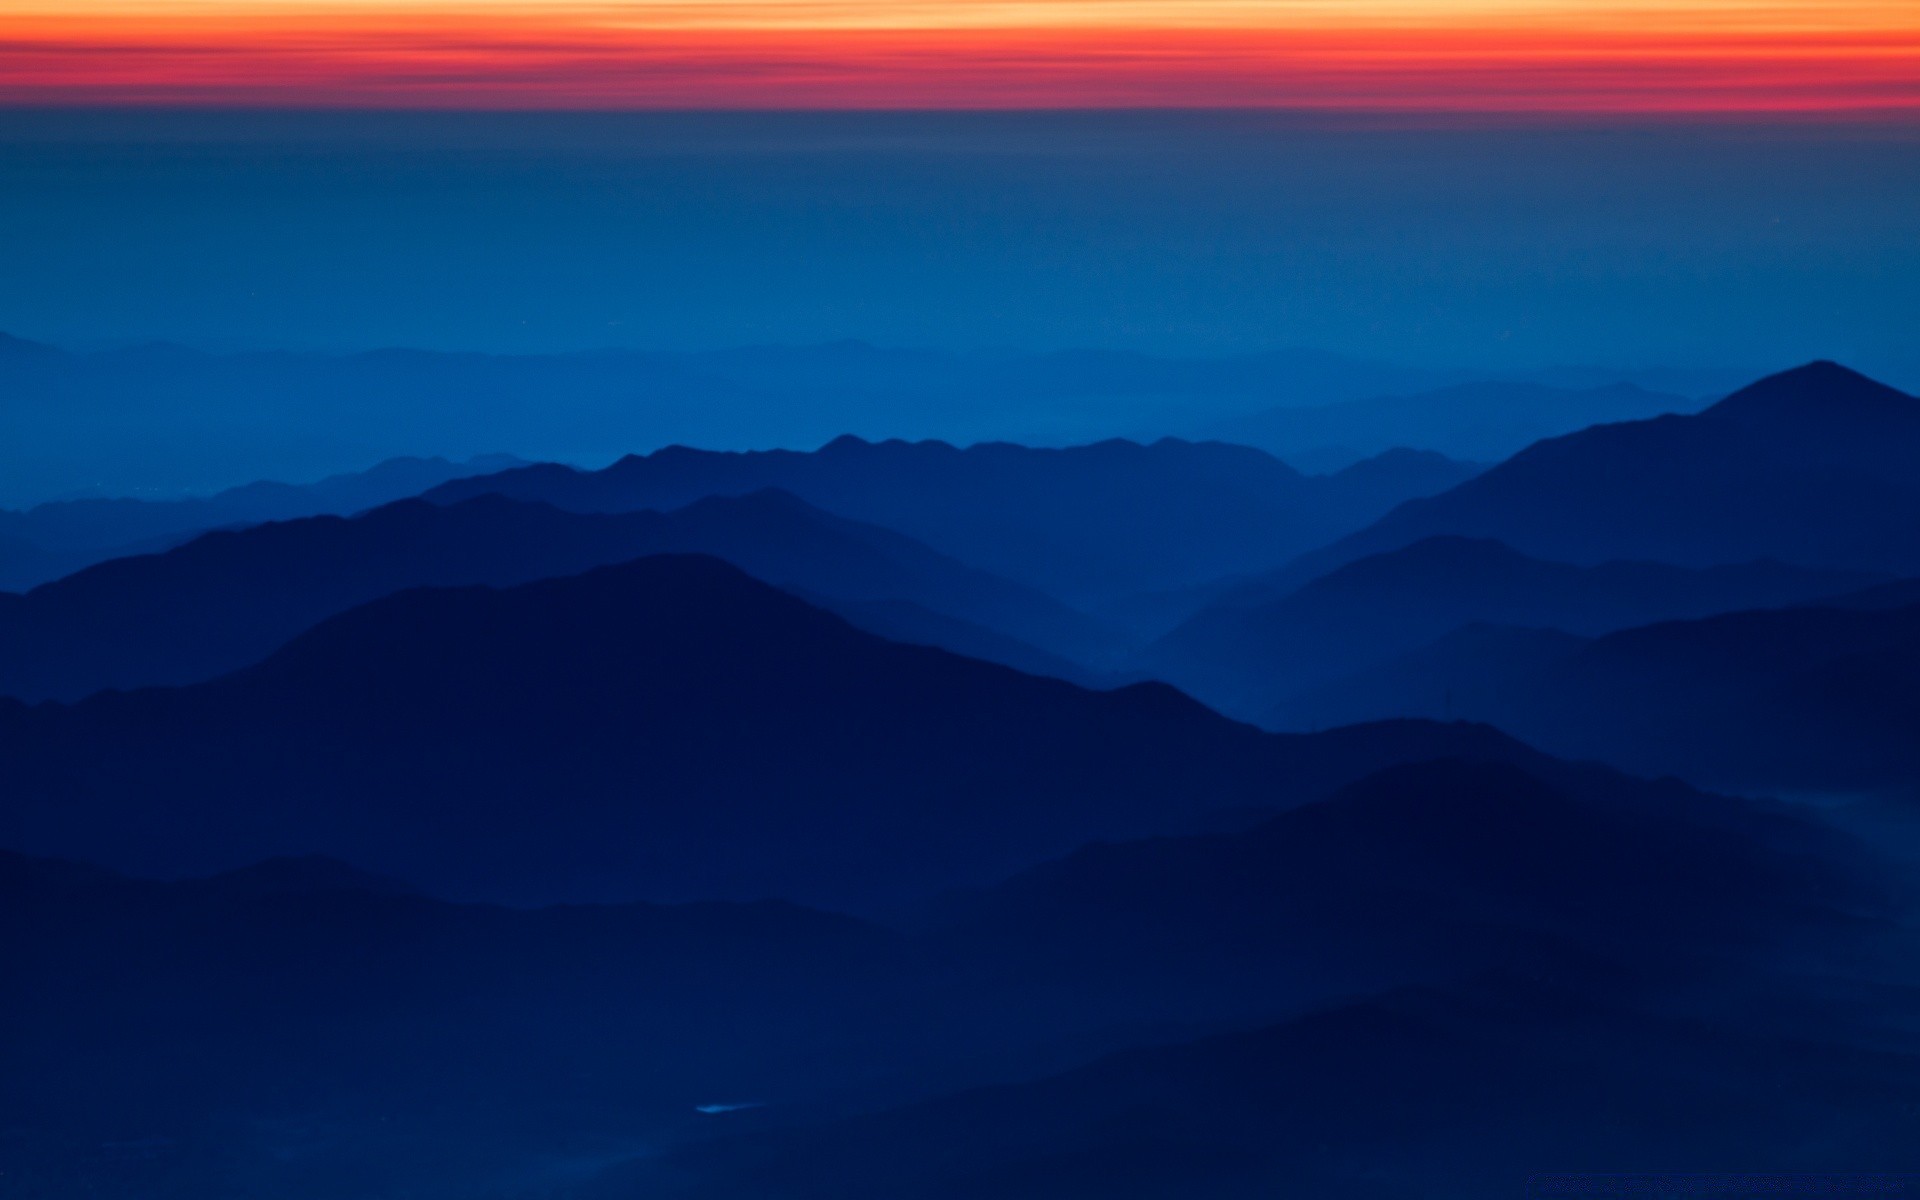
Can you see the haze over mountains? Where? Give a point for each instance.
(1473, 422)
(1086, 523)
(85, 420)
(822, 887)
(1823, 699)
(54, 539)
(1246, 657)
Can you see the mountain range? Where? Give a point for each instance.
(774, 825)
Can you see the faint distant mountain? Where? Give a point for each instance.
(1819, 699)
(50, 540)
(1814, 466)
(173, 419)
(1084, 523)
(228, 599)
(1246, 656)
(667, 728)
(1477, 422)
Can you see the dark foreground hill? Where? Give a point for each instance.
(1814, 466)
(1617, 978)
(665, 729)
(1441, 1094)
(305, 1030)
(228, 599)
(1247, 657)
(1085, 523)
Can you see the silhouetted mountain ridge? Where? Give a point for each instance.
(1812, 466)
(228, 599)
(667, 728)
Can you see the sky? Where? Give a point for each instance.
(1175, 232)
(1807, 58)
(1446, 182)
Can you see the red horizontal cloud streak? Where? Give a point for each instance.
(1458, 71)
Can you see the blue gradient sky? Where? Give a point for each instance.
(1731, 245)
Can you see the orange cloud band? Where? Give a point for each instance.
(519, 59)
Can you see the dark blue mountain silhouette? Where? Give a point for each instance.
(1247, 657)
(1813, 466)
(1086, 523)
(664, 729)
(55, 539)
(1434, 871)
(228, 599)
(1818, 699)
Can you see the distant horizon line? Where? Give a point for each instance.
(984, 352)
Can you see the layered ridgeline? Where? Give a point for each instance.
(1813, 466)
(1249, 657)
(1821, 699)
(664, 729)
(77, 420)
(228, 599)
(1448, 968)
(54, 539)
(1088, 524)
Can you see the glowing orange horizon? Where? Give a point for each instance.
(1460, 56)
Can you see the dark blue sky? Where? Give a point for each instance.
(1191, 233)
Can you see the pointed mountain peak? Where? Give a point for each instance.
(1817, 391)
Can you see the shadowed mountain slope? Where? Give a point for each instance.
(664, 729)
(1083, 523)
(228, 599)
(1820, 699)
(1247, 657)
